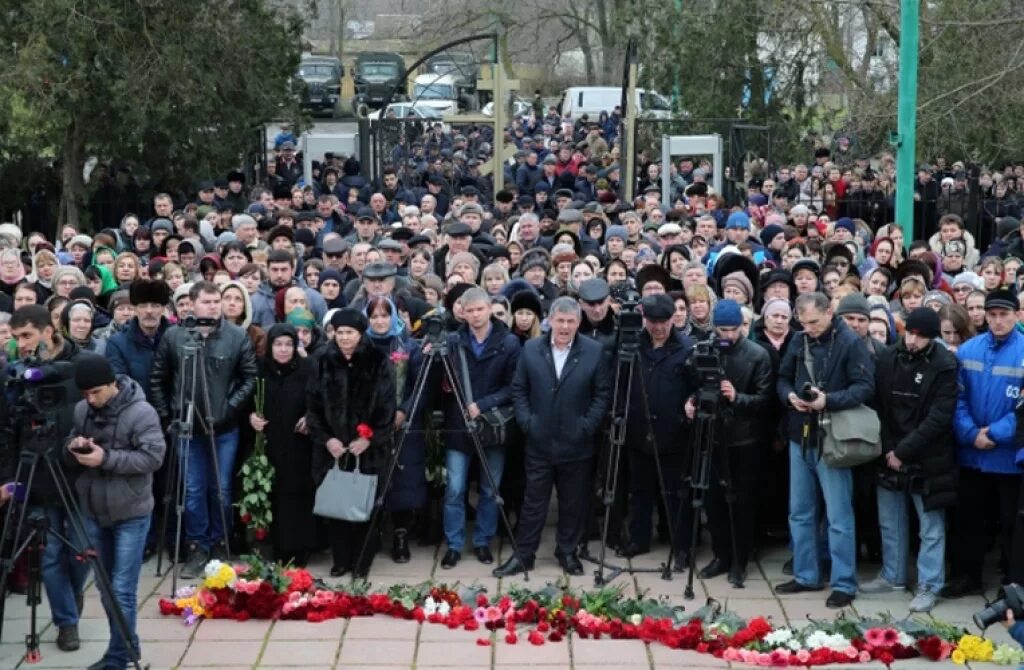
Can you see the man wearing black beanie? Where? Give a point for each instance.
(118, 441)
(916, 390)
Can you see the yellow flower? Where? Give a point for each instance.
(958, 657)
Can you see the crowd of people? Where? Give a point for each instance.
(325, 292)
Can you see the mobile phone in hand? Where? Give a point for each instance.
(81, 449)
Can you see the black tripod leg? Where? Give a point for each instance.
(35, 579)
(169, 499)
(12, 530)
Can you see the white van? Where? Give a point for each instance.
(444, 93)
(592, 100)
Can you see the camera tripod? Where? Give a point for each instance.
(40, 447)
(191, 383)
(438, 351)
(708, 406)
(625, 373)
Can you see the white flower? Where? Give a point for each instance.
(636, 619)
(778, 637)
(212, 567)
(819, 639)
(429, 607)
(905, 640)
(443, 608)
(794, 645)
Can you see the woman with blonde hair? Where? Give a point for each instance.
(493, 278)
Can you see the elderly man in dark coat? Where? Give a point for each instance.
(561, 392)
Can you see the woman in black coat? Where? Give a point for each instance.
(353, 389)
(283, 424)
(408, 489)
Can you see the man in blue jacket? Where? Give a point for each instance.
(561, 392)
(843, 378)
(990, 459)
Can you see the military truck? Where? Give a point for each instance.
(319, 83)
(376, 74)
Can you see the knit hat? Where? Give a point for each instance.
(350, 318)
(924, 321)
(467, 258)
(769, 232)
(1002, 299)
(776, 306)
(969, 278)
(563, 253)
(940, 297)
(92, 371)
(165, 225)
(846, 223)
(775, 218)
(741, 281)
(759, 199)
(738, 220)
(727, 314)
(118, 298)
(527, 299)
(537, 257)
(855, 303)
(616, 231)
(331, 273)
(797, 210)
(81, 241)
(301, 318)
(1006, 225)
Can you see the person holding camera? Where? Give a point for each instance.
(227, 381)
(746, 394)
(843, 375)
(118, 441)
(64, 577)
(656, 454)
(561, 392)
(915, 392)
(989, 453)
(484, 353)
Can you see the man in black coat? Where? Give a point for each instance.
(654, 425)
(561, 393)
(746, 396)
(916, 392)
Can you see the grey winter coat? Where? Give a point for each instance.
(128, 429)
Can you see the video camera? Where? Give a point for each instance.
(707, 361)
(38, 386)
(192, 322)
(434, 331)
(629, 323)
(1013, 599)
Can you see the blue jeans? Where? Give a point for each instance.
(486, 526)
(64, 574)
(931, 558)
(202, 517)
(807, 472)
(120, 550)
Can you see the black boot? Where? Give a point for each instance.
(400, 547)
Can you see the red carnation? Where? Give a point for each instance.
(246, 518)
(261, 534)
(483, 642)
(364, 431)
(536, 637)
(511, 638)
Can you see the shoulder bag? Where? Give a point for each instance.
(849, 437)
(493, 427)
(345, 495)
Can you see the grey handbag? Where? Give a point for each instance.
(849, 437)
(346, 496)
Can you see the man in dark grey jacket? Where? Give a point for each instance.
(561, 392)
(117, 438)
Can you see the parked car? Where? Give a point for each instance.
(592, 100)
(443, 93)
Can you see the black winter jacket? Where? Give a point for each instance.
(915, 397)
(660, 376)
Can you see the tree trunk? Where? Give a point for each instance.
(73, 186)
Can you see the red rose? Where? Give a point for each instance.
(511, 638)
(481, 600)
(483, 642)
(364, 431)
(261, 534)
(536, 637)
(246, 518)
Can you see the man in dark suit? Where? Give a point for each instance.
(561, 392)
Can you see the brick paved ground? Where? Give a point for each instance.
(381, 643)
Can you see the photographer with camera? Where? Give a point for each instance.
(654, 425)
(225, 379)
(118, 440)
(39, 346)
(746, 387)
(838, 360)
(915, 394)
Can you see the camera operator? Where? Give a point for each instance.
(598, 315)
(117, 438)
(845, 374)
(63, 576)
(746, 393)
(915, 395)
(230, 379)
(653, 423)
(1016, 628)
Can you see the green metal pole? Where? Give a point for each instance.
(676, 70)
(907, 118)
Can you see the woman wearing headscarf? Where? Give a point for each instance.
(351, 413)
(408, 491)
(311, 338)
(76, 325)
(237, 309)
(293, 532)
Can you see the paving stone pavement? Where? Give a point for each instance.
(381, 644)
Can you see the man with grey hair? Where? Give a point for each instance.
(246, 230)
(561, 392)
(528, 230)
(833, 364)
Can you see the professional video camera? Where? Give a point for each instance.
(1013, 599)
(707, 361)
(38, 386)
(191, 323)
(629, 323)
(434, 331)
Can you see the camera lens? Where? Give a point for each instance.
(994, 613)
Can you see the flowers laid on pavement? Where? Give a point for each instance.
(255, 589)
